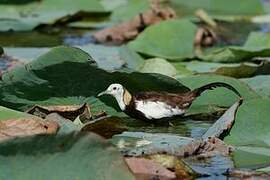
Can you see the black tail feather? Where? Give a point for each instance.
(211, 86)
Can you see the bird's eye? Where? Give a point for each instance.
(114, 88)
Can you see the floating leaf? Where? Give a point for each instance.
(257, 45)
(129, 10)
(250, 134)
(73, 155)
(152, 41)
(219, 8)
(219, 97)
(260, 84)
(158, 65)
(28, 16)
(18, 124)
(236, 70)
(55, 79)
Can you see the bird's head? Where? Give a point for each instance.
(114, 90)
(122, 96)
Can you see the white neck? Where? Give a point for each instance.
(119, 98)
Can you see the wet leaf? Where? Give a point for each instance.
(139, 143)
(152, 41)
(248, 174)
(106, 127)
(147, 169)
(73, 155)
(181, 169)
(66, 126)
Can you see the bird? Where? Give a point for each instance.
(153, 106)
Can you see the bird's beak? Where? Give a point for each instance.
(102, 93)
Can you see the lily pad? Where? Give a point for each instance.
(28, 16)
(260, 84)
(55, 79)
(236, 70)
(158, 65)
(130, 9)
(6, 113)
(153, 42)
(73, 155)
(218, 8)
(219, 97)
(250, 134)
(257, 45)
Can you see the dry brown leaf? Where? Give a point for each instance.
(244, 174)
(204, 148)
(70, 112)
(145, 169)
(181, 169)
(129, 30)
(26, 127)
(205, 37)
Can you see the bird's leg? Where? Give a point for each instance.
(171, 124)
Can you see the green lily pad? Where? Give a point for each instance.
(28, 16)
(73, 155)
(236, 70)
(56, 77)
(130, 9)
(108, 58)
(6, 113)
(260, 84)
(250, 134)
(257, 45)
(158, 65)
(219, 8)
(219, 97)
(171, 39)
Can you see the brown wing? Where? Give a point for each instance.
(181, 100)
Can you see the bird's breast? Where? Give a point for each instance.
(157, 109)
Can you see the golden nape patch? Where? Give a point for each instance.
(127, 97)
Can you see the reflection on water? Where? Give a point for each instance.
(211, 168)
